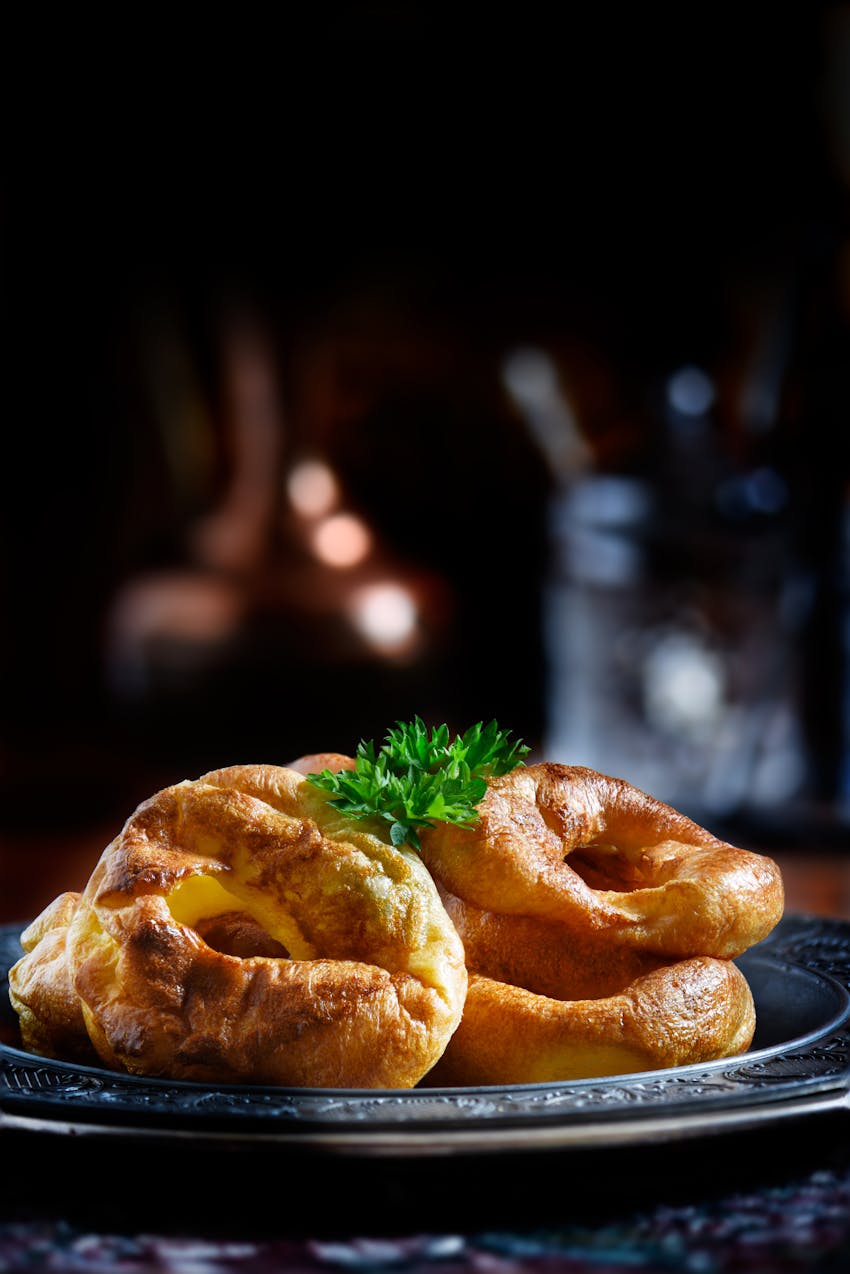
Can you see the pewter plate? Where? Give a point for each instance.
(798, 1066)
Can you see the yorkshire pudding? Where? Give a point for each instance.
(571, 847)
(239, 929)
(691, 1011)
(599, 926)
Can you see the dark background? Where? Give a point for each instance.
(402, 200)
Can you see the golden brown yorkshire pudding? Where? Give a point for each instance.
(692, 1011)
(239, 929)
(315, 762)
(571, 847)
(49, 1011)
(544, 956)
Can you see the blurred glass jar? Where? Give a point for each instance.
(671, 637)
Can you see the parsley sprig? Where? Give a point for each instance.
(419, 777)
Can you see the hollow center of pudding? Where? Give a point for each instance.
(608, 867)
(221, 917)
(236, 933)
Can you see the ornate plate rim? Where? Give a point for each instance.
(810, 1074)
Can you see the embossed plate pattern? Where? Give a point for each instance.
(799, 1064)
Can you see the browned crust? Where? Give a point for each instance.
(544, 956)
(690, 1011)
(315, 762)
(41, 989)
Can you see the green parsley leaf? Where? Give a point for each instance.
(419, 777)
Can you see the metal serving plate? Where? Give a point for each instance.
(799, 1065)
